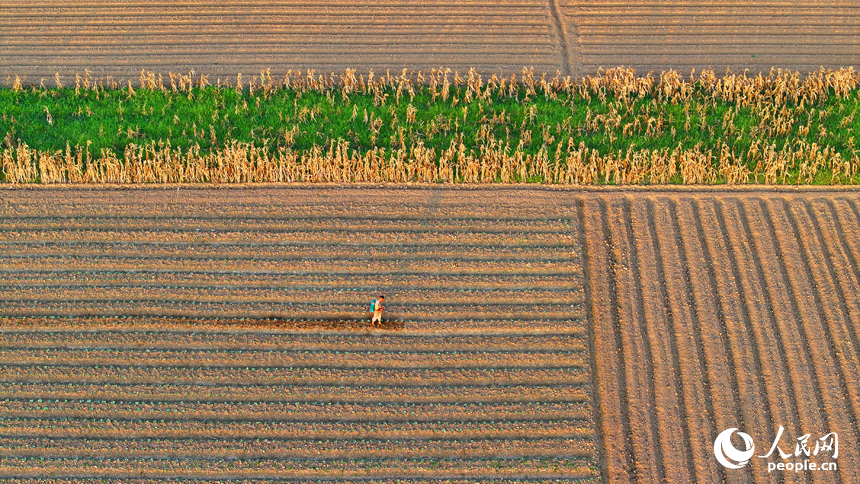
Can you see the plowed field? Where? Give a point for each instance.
(714, 311)
(487, 376)
(124, 352)
(221, 39)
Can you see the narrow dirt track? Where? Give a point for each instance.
(713, 311)
(222, 39)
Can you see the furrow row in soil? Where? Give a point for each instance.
(118, 37)
(364, 238)
(727, 9)
(268, 3)
(730, 40)
(685, 58)
(285, 225)
(707, 318)
(806, 34)
(284, 393)
(263, 256)
(285, 50)
(286, 295)
(284, 252)
(232, 43)
(161, 62)
(570, 324)
(280, 280)
(195, 468)
(73, 427)
(668, 327)
(347, 318)
(281, 20)
(297, 302)
(214, 341)
(628, 47)
(290, 411)
(294, 449)
(307, 376)
(303, 266)
(406, 358)
(405, 11)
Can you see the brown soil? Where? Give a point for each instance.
(707, 309)
(725, 310)
(221, 39)
(221, 334)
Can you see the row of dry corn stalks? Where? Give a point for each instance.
(493, 163)
(778, 87)
(489, 160)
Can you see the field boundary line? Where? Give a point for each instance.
(580, 189)
(559, 24)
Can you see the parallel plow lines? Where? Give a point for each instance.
(144, 343)
(717, 312)
(577, 38)
(117, 39)
(688, 313)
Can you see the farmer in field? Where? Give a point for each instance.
(378, 305)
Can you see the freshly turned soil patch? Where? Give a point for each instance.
(323, 323)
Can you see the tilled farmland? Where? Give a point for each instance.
(535, 334)
(742, 311)
(156, 334)
(222, 39)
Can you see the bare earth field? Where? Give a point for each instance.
(687, 311)
(487, 376)
(221, 39)
(719, 310)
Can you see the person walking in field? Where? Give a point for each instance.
(378, 305)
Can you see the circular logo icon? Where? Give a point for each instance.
(725, 452)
